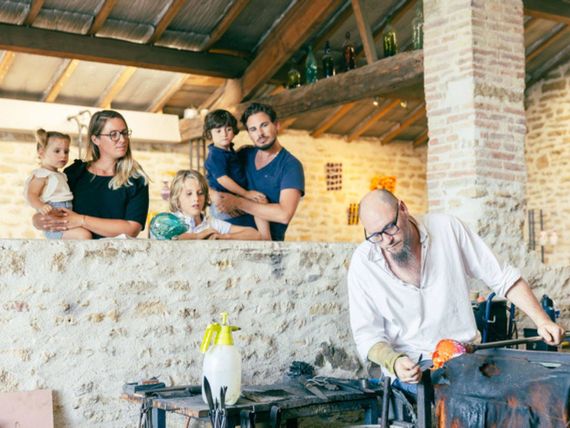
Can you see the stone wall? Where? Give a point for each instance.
(548, 157)
(322, 214)
(82, 319)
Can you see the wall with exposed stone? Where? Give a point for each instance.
(84, 319)
(548, 160)
(322, 214)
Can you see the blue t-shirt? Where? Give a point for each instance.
(222, 162)
(283, 172)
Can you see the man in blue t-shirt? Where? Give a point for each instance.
(271, 170)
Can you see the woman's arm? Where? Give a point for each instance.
(102, 226)
(35, 189)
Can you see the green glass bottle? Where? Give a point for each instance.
(390, 41)
(349, 55)
(310, 67)
(328, 61)
(293, 77)
(418, 28)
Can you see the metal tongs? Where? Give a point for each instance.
(217, 412)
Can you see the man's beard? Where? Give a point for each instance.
(267, 146)
(403, 256)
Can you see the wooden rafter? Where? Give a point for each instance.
(286, 123)
(416, 114)
(334, 27)
(559, 58)
(331, 120)
(421, 139)
(174, 86)
(552, 10)
(393, 77)
(291, 32)
(102, 16)
(372, 119)
(365, 33)
(58, 80)
(229, 17)
(6, 63)
(167, 17)
(35, 8)
(554, 36)
(113, 89)
(66, 45)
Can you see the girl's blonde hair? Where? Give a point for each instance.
(177, 186)
(126, 167)
(43, 137)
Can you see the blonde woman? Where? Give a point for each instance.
(110, 189)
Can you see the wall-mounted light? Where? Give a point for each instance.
(403, 104)
(376, 101)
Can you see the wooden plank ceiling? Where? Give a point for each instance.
(172, 55)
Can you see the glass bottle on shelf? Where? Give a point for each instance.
(418, 28)
(328, 61)
(349, 55)
(310, 67)
(293, 77)
(390, 41)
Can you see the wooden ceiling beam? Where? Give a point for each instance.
(416, 114)
(335, 26)
(102, 15)
(365, 33)
(58, 80)
(551, 38)
(66, 45)
(174, 86)
(551, 63)
(372, 119)
(552, 10)
(167, 17)
(227, 20)
(285, 39)
(393, 77)
(35, 8)
(331, 120)
(6, 63)
(421, 139)
(284, 124)
(116, 85)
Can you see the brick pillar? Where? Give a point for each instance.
(474, 63)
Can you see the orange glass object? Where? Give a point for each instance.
(445, 350)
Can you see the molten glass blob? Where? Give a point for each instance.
(445, 350)
(165, 226)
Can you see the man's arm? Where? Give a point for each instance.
(280, 212)
(523, 297)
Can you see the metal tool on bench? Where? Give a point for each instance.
(217, 412)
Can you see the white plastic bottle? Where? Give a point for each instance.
(222, 362)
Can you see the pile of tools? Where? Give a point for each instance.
(217, 413)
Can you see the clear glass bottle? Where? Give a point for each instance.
(418, 28)
(293, 77)
(390, 41)
(310, 67)
(328, 61)
(349, 55)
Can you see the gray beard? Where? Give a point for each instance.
(404, 256)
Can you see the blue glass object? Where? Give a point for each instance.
(165, 226)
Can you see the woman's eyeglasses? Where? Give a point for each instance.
(115, 136)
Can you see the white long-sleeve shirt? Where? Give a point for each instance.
(413, 319)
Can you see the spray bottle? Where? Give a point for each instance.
(222, 361)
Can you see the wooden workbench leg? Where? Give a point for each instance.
(371, 412)
(158, 418)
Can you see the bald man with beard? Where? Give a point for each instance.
(408, 286)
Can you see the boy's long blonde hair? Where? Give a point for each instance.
(126, 167)
(43, 136)
(177, 186)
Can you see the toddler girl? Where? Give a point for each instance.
(46, 189)
(188, 200)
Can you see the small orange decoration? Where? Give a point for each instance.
(387, 182)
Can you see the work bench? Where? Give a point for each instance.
(286, 402)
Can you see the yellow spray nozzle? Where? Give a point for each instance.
(207, 340)
(225, 336)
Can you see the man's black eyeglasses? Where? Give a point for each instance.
(115, 136)
(390, 230)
